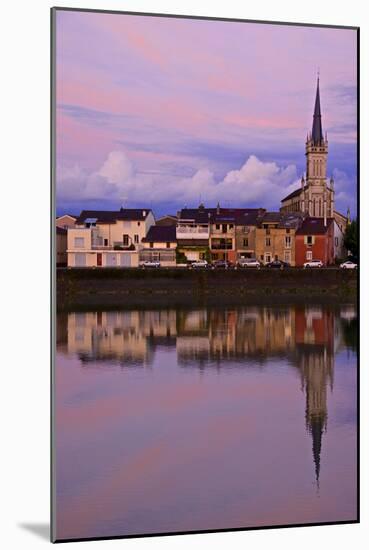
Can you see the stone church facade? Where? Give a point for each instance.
(315, 197)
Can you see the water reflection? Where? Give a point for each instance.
(304, 339)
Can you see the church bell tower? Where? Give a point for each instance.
(318, 197)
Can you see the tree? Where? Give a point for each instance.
(207, 255)
(181, 258)
(350, 238)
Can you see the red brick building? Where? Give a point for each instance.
(314, 240)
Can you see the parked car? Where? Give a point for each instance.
(248, 262)
(313, 263)
(149, 263)
(348, 264)
(222, 264)
(199, 264)
(278, 264)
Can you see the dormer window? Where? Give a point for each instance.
(90, 222)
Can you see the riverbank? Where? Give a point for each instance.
(109, 287)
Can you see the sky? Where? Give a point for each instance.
(164, 113)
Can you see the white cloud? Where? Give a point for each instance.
(256, 182)
(117, 168)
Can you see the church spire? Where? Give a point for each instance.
(317, 132)
(316, 428)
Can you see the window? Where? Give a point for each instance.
(262, 257)
(246, 242)
(80, 260)
(168, 245)
(79, 242)
(136, 239)
(138, 223)
(287, 241)
(309, 239)
(231, 226)
(288, 231)
(125, 240)
(217, 226)
(309, 255)
(287, 256)
(151, 245)
(106, 242)
(268, 258)
(268, 231)
(224, 228)
(267, 241)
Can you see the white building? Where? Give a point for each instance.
(103, 238)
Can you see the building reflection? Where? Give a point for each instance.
(207, 338)
(127, 338)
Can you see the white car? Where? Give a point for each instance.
(313, 263)
(149, 263)
(348, 265)
(199, 263)
(248, 262)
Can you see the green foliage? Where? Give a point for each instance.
(207, 255)
(181, 258)
(350, 238)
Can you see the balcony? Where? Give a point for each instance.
(121, 245)
(97, 243)
(221, 244)
(192, 232)
(221, 247)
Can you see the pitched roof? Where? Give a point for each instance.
(282, 220)
(198, 215)
(168, 219)
(291, 220)
(293, 194)
(238, 216)
(112, 216)
(314, 226)
(271, 217)
(67, 215)
(161, 234)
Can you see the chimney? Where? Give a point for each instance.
(144, 213)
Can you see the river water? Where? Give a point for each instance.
(204, 418)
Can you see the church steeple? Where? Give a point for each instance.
(315, 197)
(317, 131)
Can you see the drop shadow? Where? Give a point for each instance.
(42, 530)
